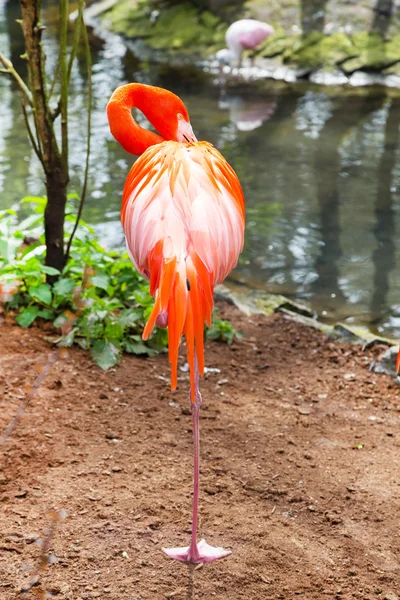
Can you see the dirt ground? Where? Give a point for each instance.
(300, 472)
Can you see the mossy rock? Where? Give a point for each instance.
(179, 28)
(367, 40)
(277, 45)
(392, 50)
(270, 303)
(317, 50)
(386, 363)
(374, 60)
(373, 53)
(360, 335)
(392, 70)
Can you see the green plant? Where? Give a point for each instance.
(222, 330)
(114, 300)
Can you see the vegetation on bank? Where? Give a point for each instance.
(359, 51)
(180, 28)
(98, 292)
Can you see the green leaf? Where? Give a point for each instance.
(64, 287)
(104, 354)
(82, 342)
(27, 316)
(73, 196)
(29, 223)
(37, 251)
(114, 331)
(39, 201)
(129, 317)
(138, 348)
(25, 251)
(49, 270)
(41, 293)
(101, 281)
(46, 313)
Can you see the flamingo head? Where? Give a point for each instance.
(226, 57)
(171, 118)
(184, 131)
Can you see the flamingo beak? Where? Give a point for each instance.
(185, 133)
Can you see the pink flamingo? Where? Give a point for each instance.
(183, 217)
(245, 34)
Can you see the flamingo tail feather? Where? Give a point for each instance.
(185, 294)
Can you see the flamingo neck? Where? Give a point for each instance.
(133, 138)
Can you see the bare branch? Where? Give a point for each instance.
(30, 394)
(79, 24)
(56, 111)
(35, 145)
(9, 68)
(64, 82)
(34, 49)
(89, 73)
(55, 76)
(45, 558)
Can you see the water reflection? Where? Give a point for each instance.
(246, 114)
(329, 168)
(320, 170)
(383, 256)
(313, 15)
(383, 11)
(12, 12)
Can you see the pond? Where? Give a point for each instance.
(320, 169)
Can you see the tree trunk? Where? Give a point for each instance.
(56, 186)
(54, 165)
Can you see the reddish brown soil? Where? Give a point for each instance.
(300, 472)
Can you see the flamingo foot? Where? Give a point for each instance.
(200, 553)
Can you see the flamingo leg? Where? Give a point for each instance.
(197, 552)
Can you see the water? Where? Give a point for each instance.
(320, 168)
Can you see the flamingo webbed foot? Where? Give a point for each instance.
(201, 553)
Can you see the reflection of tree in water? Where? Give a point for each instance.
(15, 146)
(383, 11)
(264, 212)
(384, 255)
(16, 40)
(327, 169)
(313, 15)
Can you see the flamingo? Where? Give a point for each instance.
(245, 34)
(183, 218)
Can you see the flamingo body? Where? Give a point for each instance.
(183, 217)
(245, 34)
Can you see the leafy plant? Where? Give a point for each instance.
(222, 330)
(114, 300)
